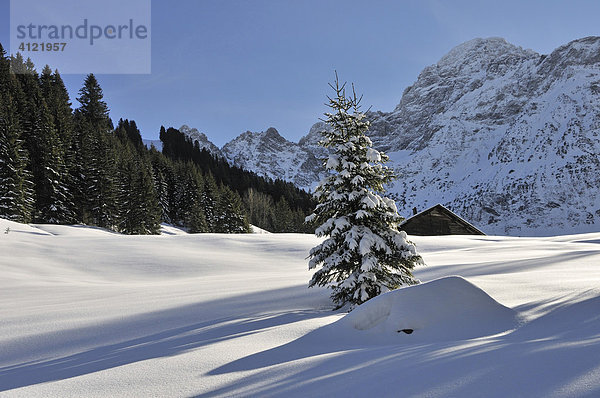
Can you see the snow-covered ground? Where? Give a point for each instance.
(85, 312)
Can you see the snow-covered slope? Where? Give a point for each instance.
(310, 142)
(269, 154)
(85, 313)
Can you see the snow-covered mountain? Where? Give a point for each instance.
(202, 140)
(505, 137)
(268, 153)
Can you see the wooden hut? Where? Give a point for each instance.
(438, 220)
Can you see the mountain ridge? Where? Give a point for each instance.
(504, 136)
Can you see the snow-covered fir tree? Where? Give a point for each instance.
(16, 185)
(56, 97)
(16, 188)
(46, 162)
(364, 254)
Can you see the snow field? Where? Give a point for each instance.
(84, 312)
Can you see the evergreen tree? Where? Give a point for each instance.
(93, 109)
(95, 171)
(105, 205)
(138, 209)
(364, 254)
(126, 219)
(162, 176)
(127, 131)
(196, 221)
(209, 201)
(16, 193)
(59, 105)
(194, 217)
(148, 207)
(282, 216)
(177, 193)
(185, 198)
(230, 214)
(44, 147)
(259, 207)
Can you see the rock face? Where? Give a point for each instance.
(269, 154)
(202, 140)
(505, 137)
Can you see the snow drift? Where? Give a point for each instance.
(449, 308)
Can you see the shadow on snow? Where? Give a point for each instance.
(223, 320)
(554, 354)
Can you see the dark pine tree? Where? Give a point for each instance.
(231, 218)
(61, 111)
(162, 176)
(282, 222)
(210, 197)
(16, 193)
(96, 158)
(191, 201)
(61, 119)
(138, 210)
(45, 149)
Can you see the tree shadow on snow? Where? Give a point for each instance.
(555, 354)
(503, 266)
(153, 335)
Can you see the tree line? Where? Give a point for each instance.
(62, 165)
(274, 205)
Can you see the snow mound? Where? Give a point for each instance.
(449, 308)
(168, 229)
(257, 230)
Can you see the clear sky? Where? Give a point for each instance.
(227, 66)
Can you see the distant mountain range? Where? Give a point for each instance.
(505, 137)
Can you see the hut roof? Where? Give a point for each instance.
(438, 220)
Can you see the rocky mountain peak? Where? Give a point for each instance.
(273, 135)
(483, 51)
(503, 136)
(201, 139)
(269, 154)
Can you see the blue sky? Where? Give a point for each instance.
(228, 66)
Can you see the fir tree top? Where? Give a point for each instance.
(93, 109)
